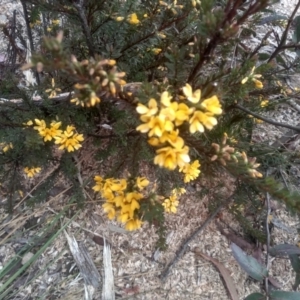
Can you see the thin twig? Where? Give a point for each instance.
(30, 37)
(182, 248)
(218, 36)
(285, 33)
(162, 27)
(266, 119)
(84, 23)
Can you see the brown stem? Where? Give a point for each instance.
(80, 9)
(285, 33)
(266, 119)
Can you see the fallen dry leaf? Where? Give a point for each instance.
(224, 272)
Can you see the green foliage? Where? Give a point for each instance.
(88, 51)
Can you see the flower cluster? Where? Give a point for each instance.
(35, 23)
(162, 121)
(6, 146)
(170, 204)
(122, 199)
(133, 19)
(54, 23)
(253, 77)
(226, 153)
(53, 90)
(68, 139)
(31, 172)
(101, 76)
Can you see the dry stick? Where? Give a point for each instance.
(265, 119)
(285, 33)
(185, 243)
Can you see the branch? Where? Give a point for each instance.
(227, 23)
(162, 27)
(30, 38)
(79, 6)
(285, 34)
(266, 119)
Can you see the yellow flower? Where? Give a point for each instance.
(7, 147)
(107, 194)
(119, 19)
(110, 210)
(77, 101)
(156, 50)
(49, 133)
(258, 121)
(201, 119)
(116, 185)
(69, 140)
(142, 182)
(179, 191)
(161, 35)
(191, 171)
(29, 123)
(133, 224)
(170, 204)
(49, 29)
(41, 125)
(156, 126)
(170, 158)
(193, 97)
(55, 22)
(258, 83)
(133, 19)
(129, 205)
(182, 114)
(253, 77)
(31, 172)
(99, 183)
(93, 99)
(212, 105)
(172, 138)
(165, 99)
(53, 89)
(147, 112)
(264, 103)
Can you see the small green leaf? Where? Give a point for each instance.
(279, 60)
(295, 261)
(255, 296)
(284, 250)
(283, 295)
(249, 263)
(272, 19)
(263, 56)
(297, 281)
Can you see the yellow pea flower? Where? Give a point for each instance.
(31, 172)
(133, 19)
(193, 97)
